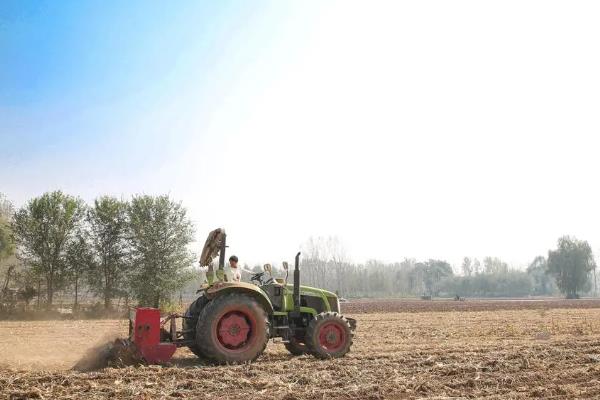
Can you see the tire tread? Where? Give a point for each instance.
(203, 328)
(311, 335)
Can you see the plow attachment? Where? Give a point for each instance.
(148, 342)
(120, 352)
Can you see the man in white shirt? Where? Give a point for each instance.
(233, 264)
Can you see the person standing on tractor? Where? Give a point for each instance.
(233, 264)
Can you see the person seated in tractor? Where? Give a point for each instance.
(233, 264)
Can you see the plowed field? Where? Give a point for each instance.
(517, 353)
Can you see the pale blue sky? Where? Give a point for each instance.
(92, 84)
(417, 129)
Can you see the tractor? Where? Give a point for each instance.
(232, 322)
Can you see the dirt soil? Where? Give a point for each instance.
(551, 353)
(411, 305)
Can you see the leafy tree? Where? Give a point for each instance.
(6, 238)
(79, 261)
(160, 233)
(27, 294)
(494, 265)
(43, 228)
(571, 264)
(541, 281)
(467, 267)
(505, 284)
(108, 228)
(476, 266)
(27, 280)
(433, 273)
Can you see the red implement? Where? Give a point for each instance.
(146, 337)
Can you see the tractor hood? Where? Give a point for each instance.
(311, 291)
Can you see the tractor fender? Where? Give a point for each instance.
(221, 288)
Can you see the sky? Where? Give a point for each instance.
(423, 129)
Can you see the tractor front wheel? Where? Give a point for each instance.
(329, 335)
(233, 328)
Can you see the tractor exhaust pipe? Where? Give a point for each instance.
(297, 283)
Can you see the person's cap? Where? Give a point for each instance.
(233, 258)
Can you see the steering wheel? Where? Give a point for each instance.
(257, 277)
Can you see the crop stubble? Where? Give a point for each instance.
(496, 353)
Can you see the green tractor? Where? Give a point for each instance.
(231, 322)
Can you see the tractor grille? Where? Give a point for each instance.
(333, 304)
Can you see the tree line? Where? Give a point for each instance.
(138, 250)
(131, 250)
(569, 269)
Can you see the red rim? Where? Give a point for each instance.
(234, 330)
(332, 337)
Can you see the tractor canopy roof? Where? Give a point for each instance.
(212, 246)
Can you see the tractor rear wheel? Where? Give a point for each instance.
(329, 335)
(296, 347)
(189, 324)
(233, 328)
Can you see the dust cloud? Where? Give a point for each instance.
(54, 345)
